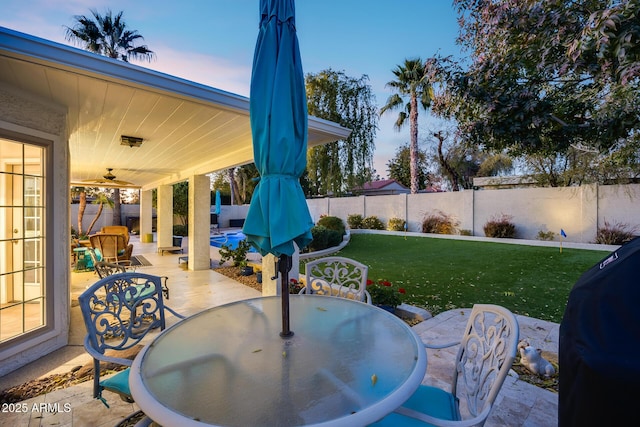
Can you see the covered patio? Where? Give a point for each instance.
(74, 110)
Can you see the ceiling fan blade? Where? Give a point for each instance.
(109, 178)
(108, 181)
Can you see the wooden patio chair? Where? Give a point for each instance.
(112, 247)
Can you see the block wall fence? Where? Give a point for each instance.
(579, 211)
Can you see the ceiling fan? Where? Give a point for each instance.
(108, 178)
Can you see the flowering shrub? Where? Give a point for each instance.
(384, 292)
(295, 286)
(355, 221)
(396, 224)
(372, 223)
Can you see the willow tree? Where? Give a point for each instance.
(337, 167)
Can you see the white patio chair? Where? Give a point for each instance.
(337, 276)
(487, 351)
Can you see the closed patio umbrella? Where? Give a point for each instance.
(278, 215)
(218, 203)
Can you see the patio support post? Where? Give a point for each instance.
(165, 216)
(270, 277)
(146, 213)
(271, 284)
(199, 222)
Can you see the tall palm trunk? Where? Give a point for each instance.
(95, 219)
(413, 147)
(82, 205)
(116, 207)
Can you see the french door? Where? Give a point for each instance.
(22, 213)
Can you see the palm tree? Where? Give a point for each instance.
(102, 199)
(81, 193)
(411, 81)
(107, 35)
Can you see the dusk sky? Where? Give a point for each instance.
(212, 41)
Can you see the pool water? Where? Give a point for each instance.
(229, 239)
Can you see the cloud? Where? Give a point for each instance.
(201, 68)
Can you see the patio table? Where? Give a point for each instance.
(347, 364)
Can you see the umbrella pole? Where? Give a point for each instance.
(284, 265)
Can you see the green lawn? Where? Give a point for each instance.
(441, 274)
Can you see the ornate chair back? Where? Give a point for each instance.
(486, 353)
(337, 276)
(118, 312)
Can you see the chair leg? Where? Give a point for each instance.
(136, 419)
(165, 288)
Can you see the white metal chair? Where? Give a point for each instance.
(337, 276)
(487, 351)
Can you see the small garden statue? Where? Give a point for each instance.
(531, 358)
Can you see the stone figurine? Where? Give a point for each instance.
(531, 358)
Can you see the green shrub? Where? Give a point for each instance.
(372, 223)
(238, 255)
(396, 224)
(334, 239)
(180, 230)
(466, 232)
(501, 227)
(324, 238)
(546, 235)
(320, 238)
(332, 223)
(354, 221)
(616, 234)
(439, 223)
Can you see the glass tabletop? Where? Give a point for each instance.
(348, 363)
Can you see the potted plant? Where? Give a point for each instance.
(385, 294)
(245, 270)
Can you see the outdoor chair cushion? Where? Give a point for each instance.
(118, 383)
(432, 400)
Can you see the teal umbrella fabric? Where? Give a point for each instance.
(218, 206)
(278, 214)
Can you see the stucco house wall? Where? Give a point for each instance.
(27, 119)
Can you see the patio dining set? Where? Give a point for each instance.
(229, 365)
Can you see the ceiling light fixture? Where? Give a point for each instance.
(130, 141)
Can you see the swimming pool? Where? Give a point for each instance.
(229, 239)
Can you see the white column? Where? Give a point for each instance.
(164, 211)
(199, 222)
(146, 213)
(270, 277)
(272, 286)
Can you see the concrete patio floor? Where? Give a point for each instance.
(519, 403)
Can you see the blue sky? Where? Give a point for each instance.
(212, 41)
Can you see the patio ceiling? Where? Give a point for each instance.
(188, 128)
